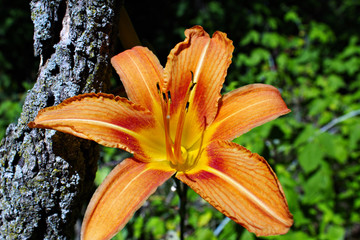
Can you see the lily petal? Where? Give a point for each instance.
(108, 120)
(204, 60)
(140, 71)
(123, 192)
(242, 186)
(245, 108)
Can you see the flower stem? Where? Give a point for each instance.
(181, 189)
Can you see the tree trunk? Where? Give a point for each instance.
(47, 176)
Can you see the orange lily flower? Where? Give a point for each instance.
(177, 122)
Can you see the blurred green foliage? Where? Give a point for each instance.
(17, 62)
(310, 50)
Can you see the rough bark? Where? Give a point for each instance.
(46, 176)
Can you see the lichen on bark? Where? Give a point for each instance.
(46, 176)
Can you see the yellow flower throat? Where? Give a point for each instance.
(179, 157)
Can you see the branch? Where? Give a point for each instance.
(339, 120)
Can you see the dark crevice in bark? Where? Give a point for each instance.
(40, 230)
(50, 101)
(56, 26)
(47, 26)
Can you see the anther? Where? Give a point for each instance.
(192, 86)
(164, 97)
(187, 106)
(158, 87)
(169, 96)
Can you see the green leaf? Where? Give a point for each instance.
(247, 236)
(318, 187)
(321, 32)
(334, 233)
(292, 16)
(310, 156)
(318, 105)
(156, 227)
(271, 40)
(204, 218)
(333, 146)
(257, 56)
(229, 232)
(307, 134)
(354, 136)
(101, 174)
(251, 37)
(138, 226)
(202, 234)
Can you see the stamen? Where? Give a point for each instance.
(175, 152)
